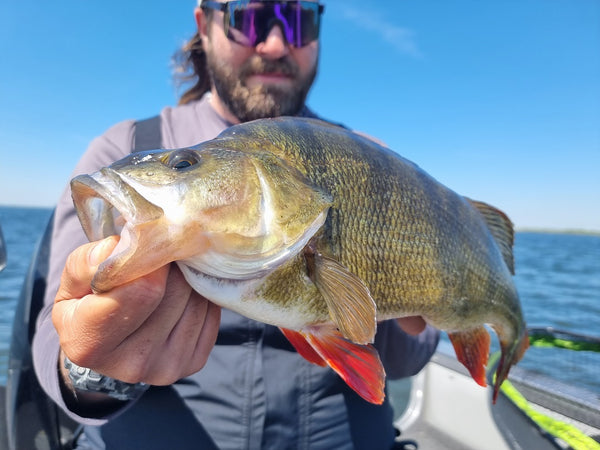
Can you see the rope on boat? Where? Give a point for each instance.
(576, 439)
(550, 337)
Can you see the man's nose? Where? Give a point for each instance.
(275, 45)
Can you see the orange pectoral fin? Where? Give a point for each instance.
(472, 349)
(358, 365)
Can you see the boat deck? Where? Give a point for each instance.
(446, 410)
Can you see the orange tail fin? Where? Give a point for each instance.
(472, 349)
(358, 365)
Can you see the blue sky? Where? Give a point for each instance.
(497, 99)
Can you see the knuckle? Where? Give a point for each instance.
(147, 293)
(199, 364)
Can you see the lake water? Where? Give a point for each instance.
(558, 278)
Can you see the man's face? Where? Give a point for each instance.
(271, 79)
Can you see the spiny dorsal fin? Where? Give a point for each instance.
(501, 228)
(350, 304)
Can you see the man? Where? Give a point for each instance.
(246, 387)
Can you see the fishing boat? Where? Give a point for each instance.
(445, 410)
(2, 251)
(439, 408)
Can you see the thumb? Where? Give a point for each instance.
(81, 266)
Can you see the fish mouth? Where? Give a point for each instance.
(106, 205)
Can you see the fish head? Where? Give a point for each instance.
(226, 213)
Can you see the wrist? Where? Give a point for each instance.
(83, 379)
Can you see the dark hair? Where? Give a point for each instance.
(190, 67)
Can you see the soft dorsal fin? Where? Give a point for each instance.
(501, 228)
(349, 301)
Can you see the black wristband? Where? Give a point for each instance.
(85, 379)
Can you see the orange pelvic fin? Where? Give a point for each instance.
(358, 365)
(303, 347)
(472, 349)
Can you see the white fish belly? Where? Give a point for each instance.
(240, 296)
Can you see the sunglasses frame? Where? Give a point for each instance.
(225, 8)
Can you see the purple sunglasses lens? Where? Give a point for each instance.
(250, 23)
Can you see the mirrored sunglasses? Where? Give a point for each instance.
(249, 22)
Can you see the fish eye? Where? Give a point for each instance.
(182, 160)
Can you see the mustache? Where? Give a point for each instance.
(258, 65)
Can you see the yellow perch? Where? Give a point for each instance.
(321, 232)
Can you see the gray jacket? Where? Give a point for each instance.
(255, 391)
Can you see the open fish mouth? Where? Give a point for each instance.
(105, 204)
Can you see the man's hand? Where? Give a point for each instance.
(155, 329)
(413, 325)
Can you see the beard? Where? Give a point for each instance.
(259, 102)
